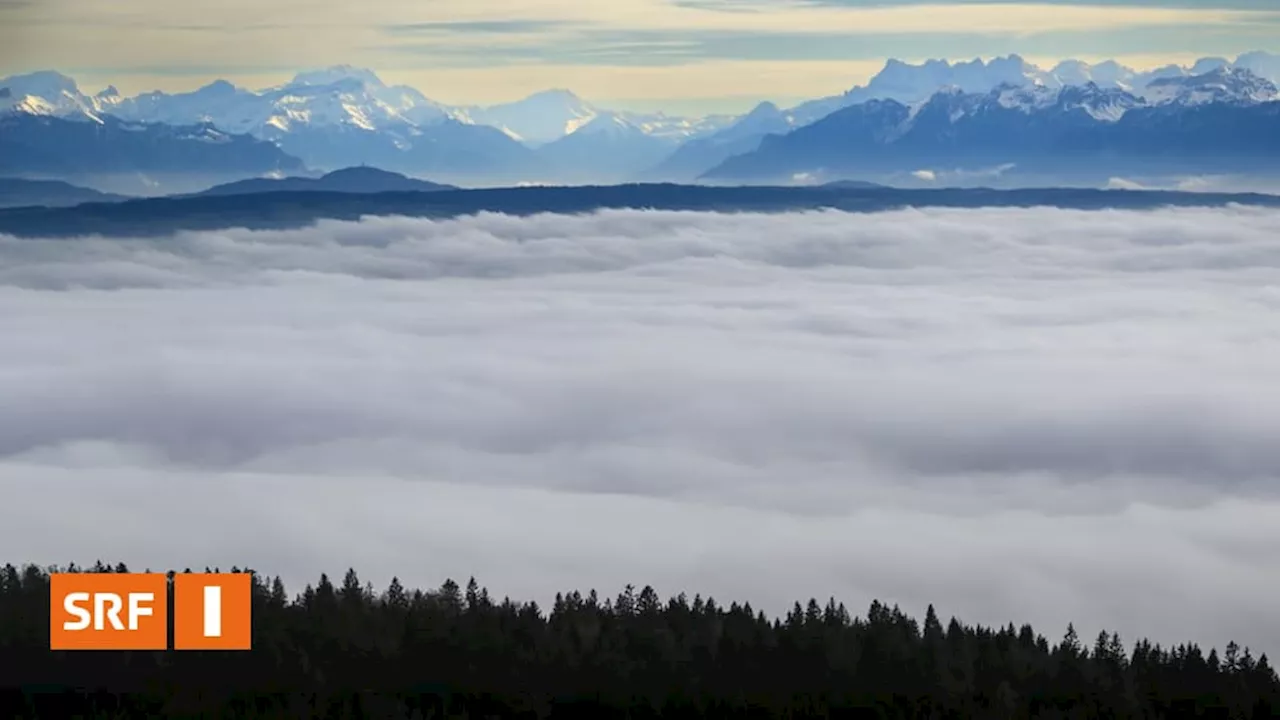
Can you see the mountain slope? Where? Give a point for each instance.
(45, 146)
(610, 148)
(695, 157)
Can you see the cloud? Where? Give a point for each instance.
(485, 27)
(1119, 183)
(962, 176)
(1196, 184)
(1039, 415)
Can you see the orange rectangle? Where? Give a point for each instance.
(212, 611)
(108, 611)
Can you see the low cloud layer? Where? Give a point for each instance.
(1029, 415)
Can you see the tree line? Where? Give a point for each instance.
(346, 650)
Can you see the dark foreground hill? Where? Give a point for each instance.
(161, 216)
(21, 192)
(346, 651)
(363, 180)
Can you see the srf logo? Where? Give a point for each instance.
(212, 611)
(129, 611)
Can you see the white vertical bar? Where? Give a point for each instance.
(212, 611)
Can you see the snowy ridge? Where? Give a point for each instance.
(339, 96)
(55, 94)
(347, 96)
(913, 84)
(1102, 104)
(1225, 84)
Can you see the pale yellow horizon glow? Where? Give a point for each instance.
(142, 45)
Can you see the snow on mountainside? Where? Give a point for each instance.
(340, 95)
(903, 82)
(915, 84)
(54, 94)
(550, 115)
(1221, 121)
(1224, 84)
(342, 116)
(1101, 104)
(910, 83)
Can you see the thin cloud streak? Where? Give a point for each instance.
(1041, 415)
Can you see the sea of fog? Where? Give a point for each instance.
(1019, 415)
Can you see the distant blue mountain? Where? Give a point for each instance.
(42, 146)
(701, 154)
(1223, 122)
(448, 148)
(349, 180)
(610, 148)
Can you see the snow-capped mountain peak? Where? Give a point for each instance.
(1108, 74)
(1027, 99)
(337, 74)
(1102, 104)
(48, 93)
(45, 84)
(610, 123)
(1207, 65)
(1224, 84)
(539, 118)
(218, 88)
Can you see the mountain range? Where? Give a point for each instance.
(1224, 121)
(908, 119)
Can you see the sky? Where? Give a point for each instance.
(679, 55)
(1019, 415)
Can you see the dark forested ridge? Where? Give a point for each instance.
(344, 650)
(154, 217)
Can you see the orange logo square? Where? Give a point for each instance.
(212, 611)
(108, 611)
